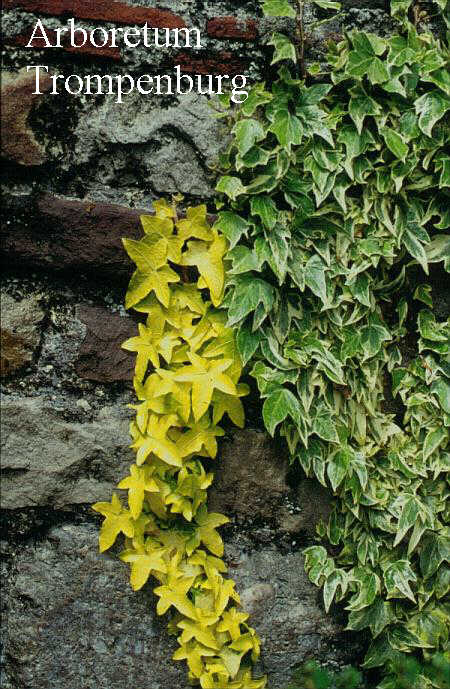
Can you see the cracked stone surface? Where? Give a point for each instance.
(73, 620)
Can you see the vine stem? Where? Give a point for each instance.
(416, 14)
(300, 39)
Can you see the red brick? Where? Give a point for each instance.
(218, 63)
(101, 10)
(18, 141)
(233, 28)
(22, 40)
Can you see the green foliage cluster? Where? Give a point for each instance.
(407, 673)
(334, 194)
(186, 379)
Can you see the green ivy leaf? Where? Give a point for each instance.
(248, 294)
(435, 550)
(265, 208)
(287, 128)
(247, 342)
(283, 48)
(396, 579)
(395, 143)
(247, 133)
(278, 8)
(232, 225)
(431, 107)
(377, 617)
(368, 586)
(327, 4)
(338, 466)
(277, 407)
(324, 424)
(315, 277)
(231, 186)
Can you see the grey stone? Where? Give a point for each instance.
(110, 130)
(48, 460)
(20, 335)
(74, 622)
(284, 610)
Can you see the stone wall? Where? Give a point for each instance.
(77, 172)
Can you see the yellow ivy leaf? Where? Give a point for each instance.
(146, 351)
(143, 562)
(175, 596)
(163, 209)
(231, 405)
(205, 376)
(221, 680)
(187, 296)
(117, 520)
(224, 590)
(152, 273)
(155, 440)
(231, 622)
(200, 435)
(193, 652)
(157, 224)
(208, 260)
(199, 632)
(206, 532)
(180, 393)
(212, 565)
(137, 483)
(195, 225)
(231, 660)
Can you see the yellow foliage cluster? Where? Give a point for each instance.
(186, 378)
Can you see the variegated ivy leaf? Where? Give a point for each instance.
(431, 107)
(247, 133)
(278, 8)
(396, 580)
(278, 406)
(377, 617)
(327, 4)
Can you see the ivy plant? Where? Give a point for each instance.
(407, 673)
(334, 194)
(186, 379)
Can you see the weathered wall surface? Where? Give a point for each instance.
(77, 172)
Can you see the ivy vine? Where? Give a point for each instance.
(335, 192)
(186, 379)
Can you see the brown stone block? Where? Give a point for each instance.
(101, 357)
(19, 143)
(219, 63)
(22, 40)
(64, 234)
(19, 332)
(232, 28)
(102, 10)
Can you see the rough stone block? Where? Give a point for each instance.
(101, 357)
(19, 143)
(48, 460)
(102, 10)
(20, 335)
(232, 28)
(75, 622)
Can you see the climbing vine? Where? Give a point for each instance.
(186, 379)
(335, 196)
